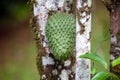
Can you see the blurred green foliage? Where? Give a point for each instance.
(22, 65)
(18, 59)
(20, 12)
(100, 40)
(13, 10)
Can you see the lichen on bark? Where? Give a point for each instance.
(83, 31)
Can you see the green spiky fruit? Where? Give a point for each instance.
(60, 33)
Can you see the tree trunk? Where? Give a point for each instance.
(48, 66)
(83, 31)
(113, 7)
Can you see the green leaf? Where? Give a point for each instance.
(104, 75)
(116, 62)
(93, 71)
(95, 57)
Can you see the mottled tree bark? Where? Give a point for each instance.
(48, 66)
(113, 7)
(115, 34)
(83, 31)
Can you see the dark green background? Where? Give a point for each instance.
(17, 48)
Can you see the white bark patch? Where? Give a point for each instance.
(112, 57)
(59, 67)
(113, 39)
(82, 41)
(61, 3)
(43, 76)
(67, 63)
(47, 61)
(50, 5)
(42, 14)
(55, 72)
(64, 75)
(117, 48)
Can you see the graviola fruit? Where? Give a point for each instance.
(60, 32)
